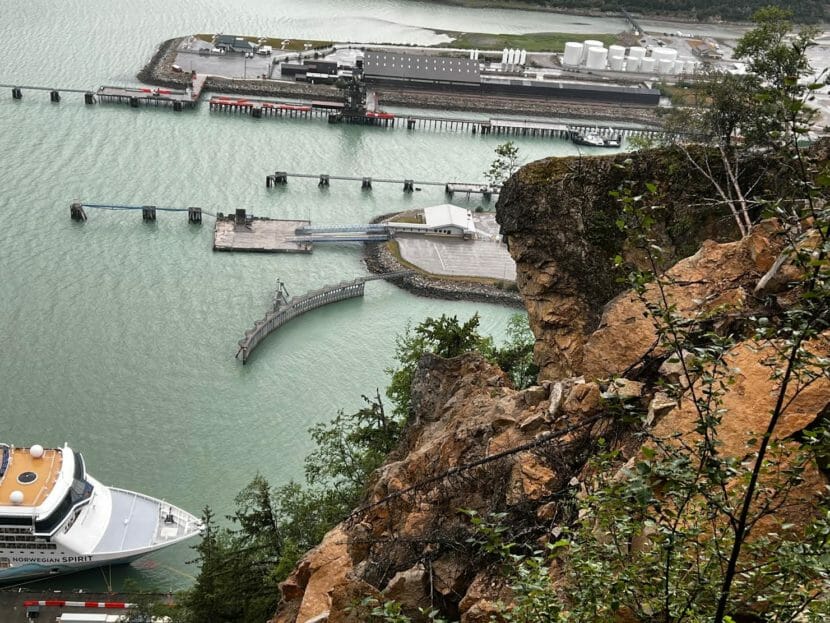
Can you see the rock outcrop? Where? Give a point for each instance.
(476, 443)
(560, 222)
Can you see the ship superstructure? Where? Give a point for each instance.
(56, 518)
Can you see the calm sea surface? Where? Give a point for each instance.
(119, 337)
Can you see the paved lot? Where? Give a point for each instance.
(453, 256)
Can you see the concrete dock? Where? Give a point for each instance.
(258, 235)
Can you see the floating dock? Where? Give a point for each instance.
(241, 232)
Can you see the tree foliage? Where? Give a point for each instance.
(271, 528)
(737, 117)
(505, 164)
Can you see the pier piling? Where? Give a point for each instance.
(366, 183)
(89, 98)
(194, 215)
(133, 102)
(408, 186)
(17, 93)
(148, 213)
(324, 181)
(55, 96)
(76, 211)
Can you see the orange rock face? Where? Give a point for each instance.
(471, 443)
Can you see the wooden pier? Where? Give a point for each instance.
(54, 92)
(244, 232)
(333, 111)
(178, 99)
(286, 309)
(272, 108)
(77, 211)
(280, 178)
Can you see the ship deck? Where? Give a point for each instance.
(17, 461)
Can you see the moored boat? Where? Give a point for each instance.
(56, 518)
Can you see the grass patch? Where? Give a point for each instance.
(410, 216)
(293, 45)
(532, 42)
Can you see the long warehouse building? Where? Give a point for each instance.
(464, 75)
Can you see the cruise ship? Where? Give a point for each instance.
(56, 518)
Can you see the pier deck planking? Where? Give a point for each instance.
(259, 235)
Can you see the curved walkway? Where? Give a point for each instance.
(299, 305)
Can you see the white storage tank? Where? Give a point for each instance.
(633, 64)
(573, 53)
(597, 58)
(647, 65)
(587, 45)
(616, 50)
(636, 52)
(665, 54)
(615, 63)
(665, 66)
(691, 66)
(679, 66)
(522, 57)
(504, 56)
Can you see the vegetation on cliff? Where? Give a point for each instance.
(241, 564)
(685, 480)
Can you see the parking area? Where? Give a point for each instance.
(456, 257)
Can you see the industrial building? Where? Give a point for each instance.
(232, 43)
(386, 66)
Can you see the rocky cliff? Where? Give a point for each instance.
(476, 443)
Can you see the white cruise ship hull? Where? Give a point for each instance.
(116, 527)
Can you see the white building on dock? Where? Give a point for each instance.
(445, 219)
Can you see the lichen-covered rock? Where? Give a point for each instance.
(559, 220)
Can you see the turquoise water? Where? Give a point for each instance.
(119, 337)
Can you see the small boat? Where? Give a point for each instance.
(615, 140)
(56, 518)
(589, 139)
(592, 138)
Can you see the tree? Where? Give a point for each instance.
(444, 336)
(764, 109)
(516, 356)
(504, 165)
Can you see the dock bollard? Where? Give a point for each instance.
(148, 213)
(194, 215)
(55, 96)
(366, 184)
(76, 211)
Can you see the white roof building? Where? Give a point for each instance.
(449, 217)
